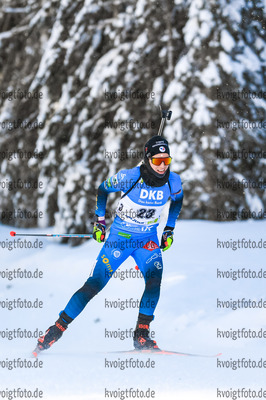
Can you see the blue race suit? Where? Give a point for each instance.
(133, 233)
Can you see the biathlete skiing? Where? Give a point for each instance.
(145, 191)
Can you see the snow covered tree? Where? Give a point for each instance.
(195, 55)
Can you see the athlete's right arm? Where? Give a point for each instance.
(121, 181)
(104, 189)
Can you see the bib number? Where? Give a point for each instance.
(144, 213)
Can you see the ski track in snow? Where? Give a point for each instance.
(186, 317)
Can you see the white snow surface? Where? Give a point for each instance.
(186, 317)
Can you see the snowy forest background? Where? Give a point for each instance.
(74, 52)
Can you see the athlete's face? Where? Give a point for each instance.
(162, 168)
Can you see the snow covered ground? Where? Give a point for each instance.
(187, 319)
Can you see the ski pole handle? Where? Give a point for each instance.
(165, 114)
(65, 235)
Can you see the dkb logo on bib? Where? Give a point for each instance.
(151, 194)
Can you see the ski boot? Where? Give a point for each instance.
(52, 334)
(141, 338)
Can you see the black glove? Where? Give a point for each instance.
(99, 230)
(167, 238)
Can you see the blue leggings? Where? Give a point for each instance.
(117, 248)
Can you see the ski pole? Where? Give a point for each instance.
(66, 235)
(165, 114)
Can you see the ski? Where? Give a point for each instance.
(36, 352)
(165, 352)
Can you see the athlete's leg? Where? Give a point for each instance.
(149, 261)
(108, 260)
(113, 253)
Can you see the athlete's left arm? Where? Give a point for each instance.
(174, 211)
(176, 200)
